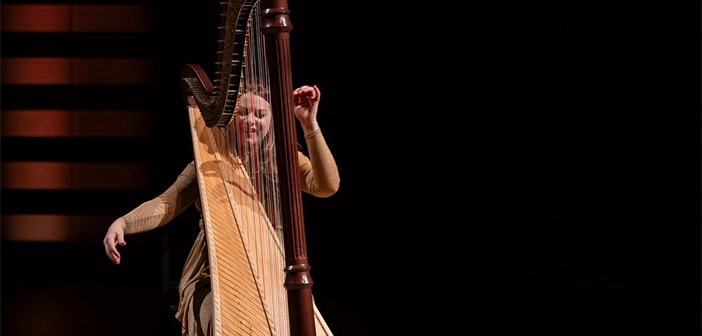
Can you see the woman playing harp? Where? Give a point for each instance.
(250, 135)
(233, 279)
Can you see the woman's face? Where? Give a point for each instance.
(254, 118)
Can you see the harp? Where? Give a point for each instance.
(249, 184)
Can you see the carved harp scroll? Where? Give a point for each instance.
(217, 102)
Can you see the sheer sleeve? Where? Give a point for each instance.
(162, 209)
(319, 174)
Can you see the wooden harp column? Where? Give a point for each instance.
(298, 281)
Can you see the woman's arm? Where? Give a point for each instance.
(162, 209)
(318, 173)
(153, 213)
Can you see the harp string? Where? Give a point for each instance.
(236, 172)
(247, 143)
(263, 163)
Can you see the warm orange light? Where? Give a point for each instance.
(36, 123)
(36, 175)
(75, 123)
(36, 18)
(36, 70)
(112, 18)
(80, 71)
(54, 228)
(39, 18)
(115, 71)
(36, 228)
(29, 175)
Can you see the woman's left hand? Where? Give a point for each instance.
(306, 100)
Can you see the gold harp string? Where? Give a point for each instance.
(247, 261)
(247, 144)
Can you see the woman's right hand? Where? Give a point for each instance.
(114, 237)
(306, 104)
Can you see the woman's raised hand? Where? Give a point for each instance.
(306, 100)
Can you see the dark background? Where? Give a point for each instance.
(527, 167)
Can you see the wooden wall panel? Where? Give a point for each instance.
(77, 71)
(75, 123)
(53, 227)
(62, 18)
(74, 176)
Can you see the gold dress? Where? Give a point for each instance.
(318, 176)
